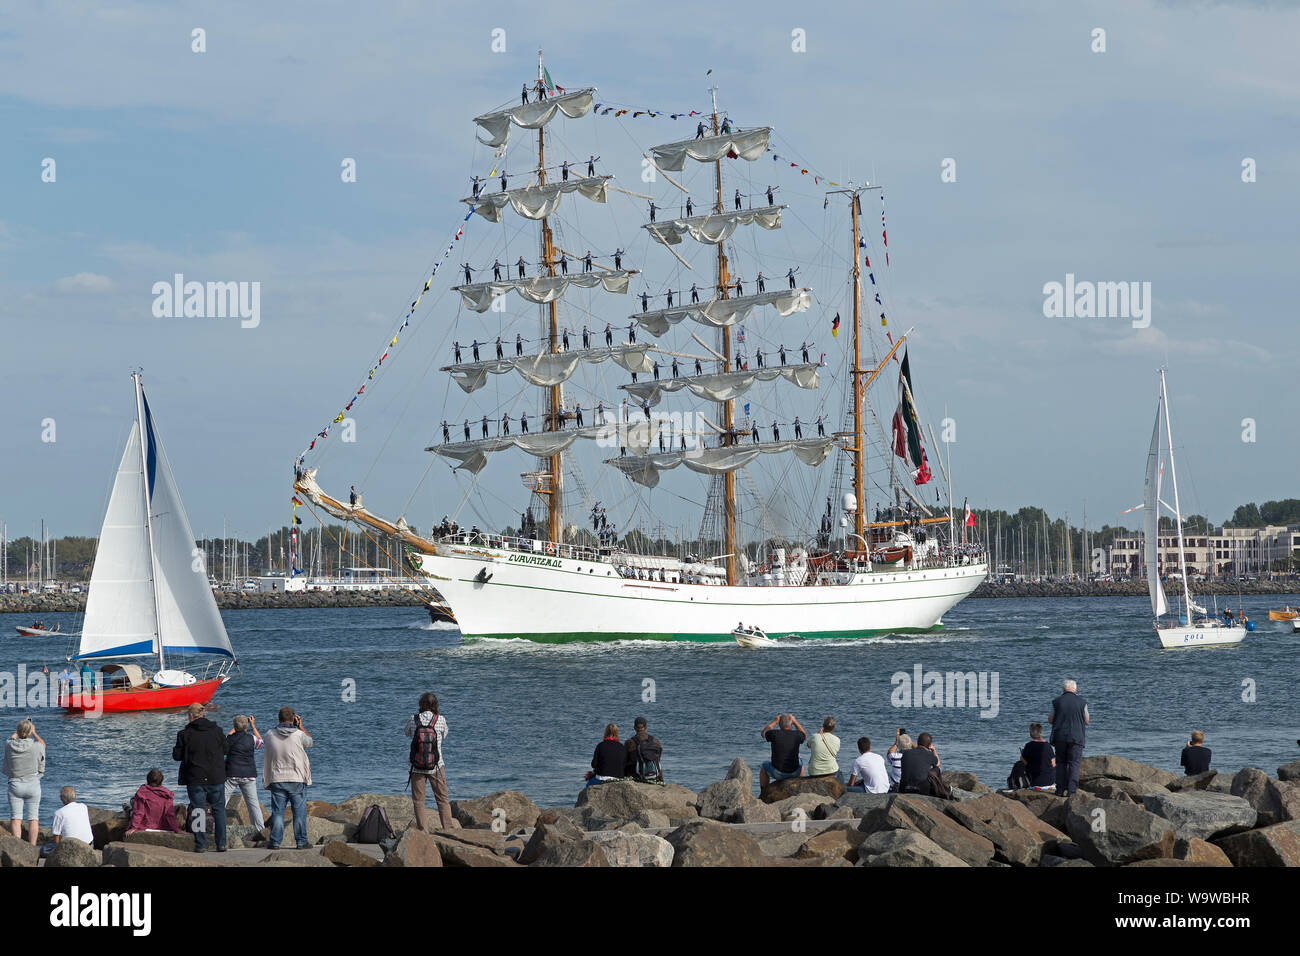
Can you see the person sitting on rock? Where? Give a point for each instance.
(902, 743)
(919, 768)
(608, 761)
(1040, 760)
(786, 739)
(869, 774)
(824, 746)
(1196, 756)
(644, 755)
(152, 807)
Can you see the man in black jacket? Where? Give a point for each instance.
(1069, 732)
(201, 750)
(644, 753)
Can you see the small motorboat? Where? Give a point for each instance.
(752, 637)
(1287, 613)
(1295, 625)
(37, 629)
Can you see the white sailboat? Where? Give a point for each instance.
(562, 584)
(149, 596)
(1192, 626)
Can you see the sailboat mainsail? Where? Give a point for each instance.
(1151, 522)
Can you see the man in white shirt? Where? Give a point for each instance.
(72, 819)
(869, 773)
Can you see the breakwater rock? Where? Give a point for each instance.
(1063, 589)
(1152, 818)
(230, 600)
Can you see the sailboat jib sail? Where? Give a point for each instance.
(1151, 522)
(120, 620)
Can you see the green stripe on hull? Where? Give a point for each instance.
(595, 636)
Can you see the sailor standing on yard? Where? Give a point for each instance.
(591, 165)
(586, 337)
(519, 344)
(467, 429)
(468, 271)
(496, 270)
(609, 329)
(445, 437)
(695, 293)
(790, 275)
(485, 428)
(520, 265)
(618, 259)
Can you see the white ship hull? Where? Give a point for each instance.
(512, 594)
(1200, 635)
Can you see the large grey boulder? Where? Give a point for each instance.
(634, 849)
(1044, 804)
(903, 848)
(1289, 771)
(1196, 781)
(415, 848)
(837, 841)
(70, 851)
(719, 801)
(862, 803)
(1017, 836)
(741, 771)
(1121, 768)
(827, 787)
(1276, 845)
(106, 825)
(800, 806)
(176, 841)
(622, 800)
(344, 854)
(149, 855)
(1275, 801)
(706, 843)
(1112, 833)
(1202, 815)
(931, 820)
(510, 807)
(757, 812)
(965, 780)
(15, 852)
(553, 829)
(579, 853)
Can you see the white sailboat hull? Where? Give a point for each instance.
(1200, 635)
(510, 594)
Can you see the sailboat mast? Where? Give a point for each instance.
(148, 514)
(1178, 511)
(728, 412)
(554, 501)
(859, 484)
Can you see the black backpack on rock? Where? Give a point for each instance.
(374, 826)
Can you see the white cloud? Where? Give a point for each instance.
(84, 282)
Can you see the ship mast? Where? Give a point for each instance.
(554, 501)
(728, 416)
(857, 448)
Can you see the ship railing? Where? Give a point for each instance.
(505, 542)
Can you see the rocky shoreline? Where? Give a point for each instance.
(1126, 814)
(228, 600)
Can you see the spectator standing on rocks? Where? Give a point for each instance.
(242, 744)
(1069, 722)
(1040, 761)
(24, 765)
(644, 755)
(919, 768)
(427, 730)
(869, 774)
(286, 772)
(786, 735)
(71, 820)
(1196, 756)
(608, 761)
(152, 807)
(824, 746)
(902, 743)
(201, 749)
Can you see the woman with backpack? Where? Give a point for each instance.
(427, 730)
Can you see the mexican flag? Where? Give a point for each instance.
(546, 78)
(907, 428)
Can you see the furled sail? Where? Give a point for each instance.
(723, 312)
(479, 295)
(473, 455)
(645, 469)
(714, 227)
(551, 368)
(1151, 522)
(723, 386)
(537, 202)
(533, 115)
(748, 144)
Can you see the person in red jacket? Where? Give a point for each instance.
(152, 807)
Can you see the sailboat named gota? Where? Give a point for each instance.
(555, 582)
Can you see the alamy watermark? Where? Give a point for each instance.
(1098, 300)
(211, 300)
(948, 689)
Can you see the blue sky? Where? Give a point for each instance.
(1115, 166)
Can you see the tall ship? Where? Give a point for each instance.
(771, 557)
